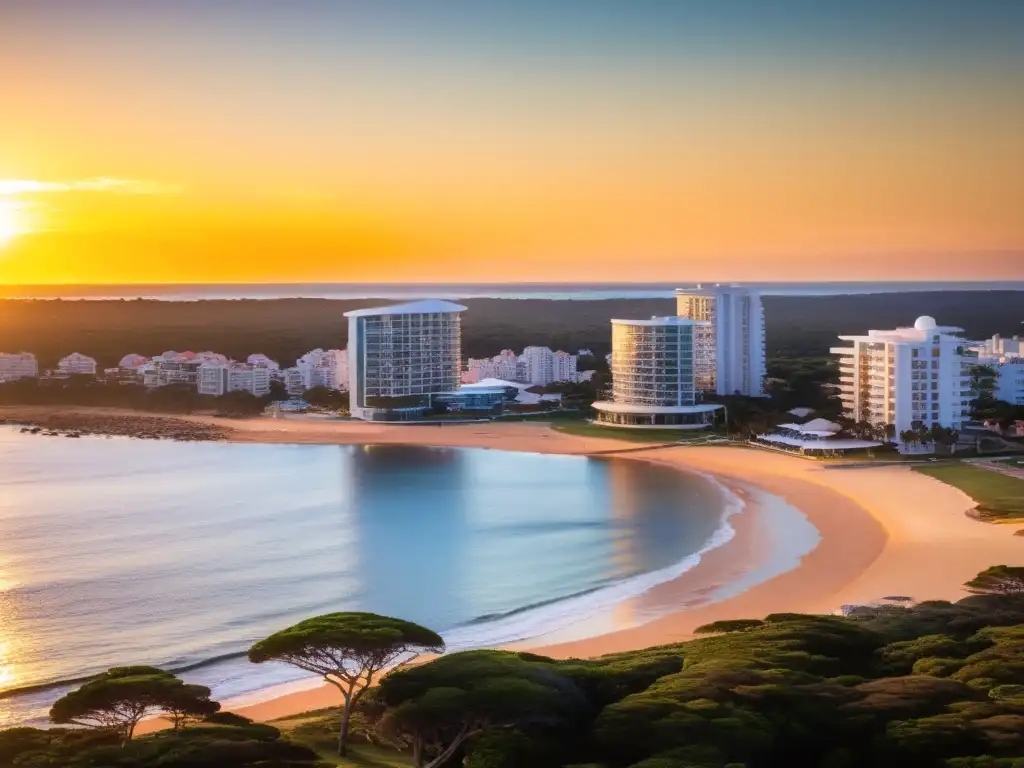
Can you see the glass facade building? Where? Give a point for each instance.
(401, 356)
(654, 382)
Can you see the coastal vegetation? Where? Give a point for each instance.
(934, 684)
(999, 497)
(348, 650)
(286, 328)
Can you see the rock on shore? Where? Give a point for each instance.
(145, 427)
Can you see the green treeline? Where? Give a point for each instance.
(931, 685)
(797, 327)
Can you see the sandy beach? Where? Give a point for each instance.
(885, 531)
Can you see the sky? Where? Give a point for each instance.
(554, 140)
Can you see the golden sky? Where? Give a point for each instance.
(254, 141)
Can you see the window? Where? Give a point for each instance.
(915, 353)
(936, 351)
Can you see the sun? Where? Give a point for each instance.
(9, 224)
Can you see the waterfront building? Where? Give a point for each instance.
(653, 376)
(76, 364)
(175, 368)
(907, 377)
(729, 352)
(294, 381)
(22, 365)
(401, 356)
(254, 379)
(216, 378)
(321, 368)
(540, 365)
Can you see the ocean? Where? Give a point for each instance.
(180, 555)
(395, 291)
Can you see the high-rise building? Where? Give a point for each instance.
(401, 356)
(654, 376)
(564, 367)
(540, 365)
(76, 365)
(729, 352)
(907, 377)
(18, 366)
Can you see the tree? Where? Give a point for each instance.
(998, 580)
(240, 403)
(728, 625)
(439, 706)
(323, 397)
(983, 388)
(349, 650)
(120, 698)
(189, 702)
(909, 437)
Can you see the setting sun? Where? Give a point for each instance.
(9, 226)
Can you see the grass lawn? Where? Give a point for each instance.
(586, 429)
(999, 497)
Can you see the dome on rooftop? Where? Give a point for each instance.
(925, 323)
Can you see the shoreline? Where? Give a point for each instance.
(883, 531)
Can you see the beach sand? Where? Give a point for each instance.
(885, 531)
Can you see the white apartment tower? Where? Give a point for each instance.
(654, 376)
(729, 353)
(908, 377)
(410, 351)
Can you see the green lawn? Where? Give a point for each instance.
(586, 429)
(999, 497)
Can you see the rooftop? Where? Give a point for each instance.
(670, 320)
(428, 306)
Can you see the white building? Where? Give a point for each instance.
(18, 366)
(998, 347)
(216, 379)
(403, 353)
(261, 359)
(1006, 357)
(132, 362)
(730, 353)
(907, 377)
(1010, 385)
(564, 367)
(175, 368)
(321, 368)
(76, 365)
(294, 381)
(654, 376)
(540, 365)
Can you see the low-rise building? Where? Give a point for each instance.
(216, 379)
(324, 368)
(76, 364)
(22, 365)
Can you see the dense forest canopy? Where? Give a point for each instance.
(287, 328)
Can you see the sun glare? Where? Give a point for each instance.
(9, 226)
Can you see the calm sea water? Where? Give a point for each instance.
(115, 551)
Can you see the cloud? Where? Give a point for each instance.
(10, 187)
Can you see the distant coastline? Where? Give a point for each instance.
(394, 291)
